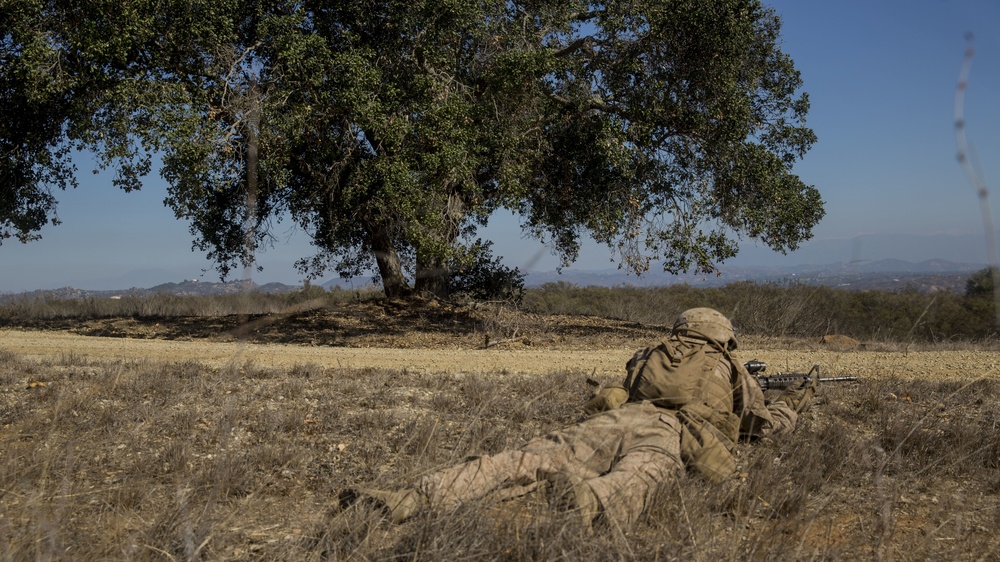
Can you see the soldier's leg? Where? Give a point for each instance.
(582, 450)
(651, 453)
(589, 448)
(451, 486)
(479, 477)
(585, 450)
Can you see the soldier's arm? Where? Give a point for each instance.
(783, 419)
(613, 396)
(783, 413)
(758, 417)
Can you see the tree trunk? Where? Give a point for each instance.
(433, 276)
(434, 272)
(390, 269)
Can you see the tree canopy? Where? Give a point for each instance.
(390, 130)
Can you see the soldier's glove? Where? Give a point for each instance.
(610, 398)
(799, 396)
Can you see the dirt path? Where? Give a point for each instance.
(961, 365)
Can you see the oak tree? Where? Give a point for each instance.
(390, 130)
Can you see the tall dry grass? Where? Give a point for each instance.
(786, 310)
(145, 461)
(33, 308)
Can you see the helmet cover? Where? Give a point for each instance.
(708, 323)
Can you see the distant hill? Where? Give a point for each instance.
(890, 274)
(886, 275)
(195, 287)
(184, 288)
(871, 249)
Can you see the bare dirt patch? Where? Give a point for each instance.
(608, 360)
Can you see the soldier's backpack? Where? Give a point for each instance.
(677, 372)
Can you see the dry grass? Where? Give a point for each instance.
(136, 461)
(787, 310)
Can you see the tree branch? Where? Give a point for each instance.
(594, 103)
(581, 43)
(585, 16)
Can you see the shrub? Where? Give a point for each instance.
(481, 276)
(785, 309)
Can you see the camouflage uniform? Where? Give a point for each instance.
(611, 462)
(620, 454)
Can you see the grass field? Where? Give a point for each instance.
(171, 459)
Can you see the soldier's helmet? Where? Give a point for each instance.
(708, 323)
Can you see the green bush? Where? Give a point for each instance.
(480, 276)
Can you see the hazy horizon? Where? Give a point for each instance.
(867, 249)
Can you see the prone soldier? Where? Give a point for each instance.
(684, 404)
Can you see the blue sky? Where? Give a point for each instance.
(881, 76)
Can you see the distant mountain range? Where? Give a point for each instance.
(888, 275)
(911, 254)
(872, 249)
(184, 288)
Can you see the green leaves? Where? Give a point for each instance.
(707, 123)
(390, 130)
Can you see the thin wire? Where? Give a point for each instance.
(973, 171)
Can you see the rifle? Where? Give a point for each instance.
(782, 381)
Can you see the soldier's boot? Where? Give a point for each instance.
(569, 492)
(398, 505)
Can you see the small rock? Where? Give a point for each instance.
(840, 343)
